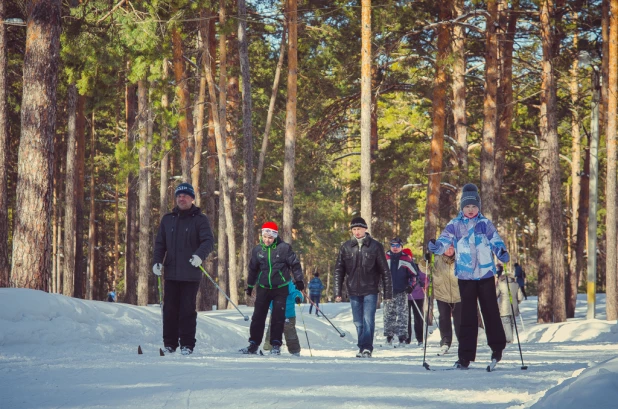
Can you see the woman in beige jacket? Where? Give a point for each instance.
(446, 292)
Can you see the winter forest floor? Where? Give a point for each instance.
(59, 352)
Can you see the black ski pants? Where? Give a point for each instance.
(263, 299)
(179, 313)
(485, 292)
(448, 310)
(418, 319)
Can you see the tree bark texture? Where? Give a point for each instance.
(365, 120)
(199, 139)
(185, 123)
(5, 266)
(432, 210)
(290, 121)
(458, 45)
(80, 147)
(92, 237)
(131, 235)
(31, 263)
(610, 187)
(490, 112)
(68, 286)
(143, 271)
(604, 65)
(165, 156)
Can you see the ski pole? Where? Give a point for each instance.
(305, 327)
(246, 317)
(430, 270)
(523, 367)
(341, 334)
(160, 294)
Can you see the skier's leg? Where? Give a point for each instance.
(445, 326)
(260, 311)
(171, 305)
(291, 336)
(496, 338)
(410, 306)
(356, 303)
(390, 318)
(187, 322)
(508, 328)
(402, 316)
(418, 320)
(267, 346)
(369, 320)
(456, 311)
(277, 317)
(468, 332)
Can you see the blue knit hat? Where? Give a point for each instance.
(470, 196)
(185, 188)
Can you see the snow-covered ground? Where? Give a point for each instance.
(59, 352)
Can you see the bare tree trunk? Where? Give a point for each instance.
(222, 270)
(365, 122)
(490, 112)
(604, 64)
(31, 263)
(247, 130)
(80, 147)
(610, 189)
(508, 19)
(439, 118)
(116, 267)
(199, 139)
(144, 198)
(5, 266)
(68, 286)
(223, 177)
(459, 91)
(185, 123)
(290, 122)
(130, 267)
(165, 156)
(91, 282)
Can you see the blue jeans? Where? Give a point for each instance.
(316, 300)
(364, 316)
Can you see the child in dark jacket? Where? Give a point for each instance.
(315, 292)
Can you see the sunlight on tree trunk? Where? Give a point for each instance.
(365, 121)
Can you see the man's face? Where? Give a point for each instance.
(359, 232)
(450, 251)
(184, 201)
(396, 248)
(268, 240)
(470, 211)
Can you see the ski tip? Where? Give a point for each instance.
(139, 350)
(161, 353)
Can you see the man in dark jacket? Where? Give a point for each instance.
(362, 263)
(184, 240)
(273, 265)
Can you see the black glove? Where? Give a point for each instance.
(249, 291)
(299, 285)
(297, 299)
(409, 289)
(428, 256)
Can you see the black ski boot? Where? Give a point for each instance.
(276, 350)
(252, 349)
(462, 364)
(496, 356)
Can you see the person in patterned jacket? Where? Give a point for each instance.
(476, 241)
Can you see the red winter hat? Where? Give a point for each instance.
(408, 252)
(270, 225)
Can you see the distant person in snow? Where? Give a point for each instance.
(183, 241)
(520, 275)
(361, 263)
(416, 303)
(289, 328)
(446, 293)
(403, 277)
(504, 302)
(273, 266)
(111, 296)
(475, 240)
(315, 292)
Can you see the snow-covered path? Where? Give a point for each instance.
(59, 352)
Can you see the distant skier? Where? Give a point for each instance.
(520, 275)
(289, 328)
(504, 301)
(111, 296)
(272, 267)
(475, 239)
(315, 292)
(361, 263)
(416, 303)
(446, 293)
(403, 277)
(183, 241)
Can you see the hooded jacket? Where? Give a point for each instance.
(315, 286)
(405, 275)
(363, 266)
(182, 234)
(445, 285)
(273, 266)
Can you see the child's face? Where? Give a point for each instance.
(470, 211)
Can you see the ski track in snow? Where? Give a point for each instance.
(59, 352)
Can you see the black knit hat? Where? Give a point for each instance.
(185, 188)
(470, 196)
(358, 222)
(397, 240)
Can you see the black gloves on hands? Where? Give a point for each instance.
(428, 256)
(409, 289)
(249, 291)
(297, 299)
(299, 285)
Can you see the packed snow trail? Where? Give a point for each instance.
(60, 352)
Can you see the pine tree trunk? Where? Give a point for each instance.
(438, 126)
(458, 45)
(92, 237)
(5, 266)
(144, 199)
(130, 268)
(365, 121)
(604, 65)
(185, 123)
(199, 139)
(490, 118)
(68, 287)
(165, 156)
(78, 240)
(247, 130)
(31, 263)
(610, 189)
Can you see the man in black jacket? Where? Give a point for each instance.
(184, 240)
(362, 260)
(273, 265)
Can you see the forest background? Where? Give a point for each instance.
(321, 110)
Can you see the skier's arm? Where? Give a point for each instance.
(446, 239)
(294, 265)
(254, 267)
(339, 273)
(160, 248)
(386, 274)
(496, 243)
(207, 239)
